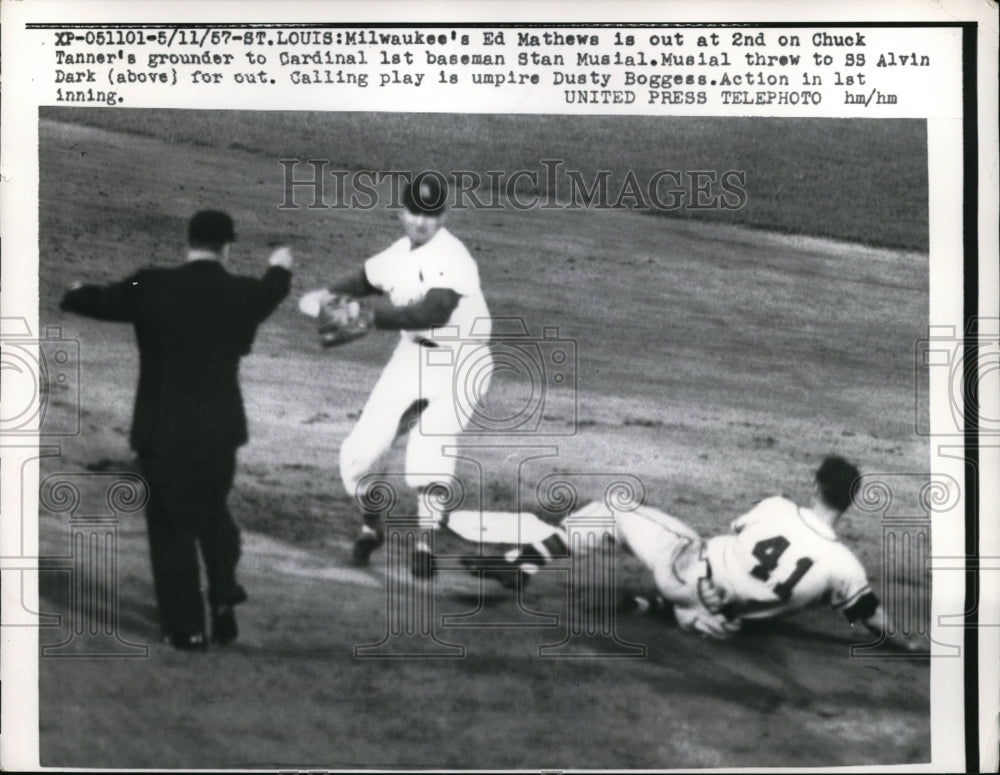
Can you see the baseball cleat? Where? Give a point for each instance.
(422, 566)
(366, 543)
(630, 603)
(508, 578)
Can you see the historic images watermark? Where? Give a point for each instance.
(318, 184)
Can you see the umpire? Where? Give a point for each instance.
(193, 323)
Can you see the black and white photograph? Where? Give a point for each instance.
(596, 437)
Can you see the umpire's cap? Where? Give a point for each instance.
(427, 194)
(211, 228)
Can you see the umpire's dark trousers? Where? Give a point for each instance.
(186, 510)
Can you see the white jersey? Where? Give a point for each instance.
(406, 275)
(781, 557)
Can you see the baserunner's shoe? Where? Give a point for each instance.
(651, 604)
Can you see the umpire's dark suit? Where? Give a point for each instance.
(193, 323)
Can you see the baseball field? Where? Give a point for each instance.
(719, 355)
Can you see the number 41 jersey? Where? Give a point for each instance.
(780, 558)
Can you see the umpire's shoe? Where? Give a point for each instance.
(224, 629)
(187, 641)
(369, 540)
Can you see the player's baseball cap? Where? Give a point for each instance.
(211, 228)
(427, 194)
(838, 481)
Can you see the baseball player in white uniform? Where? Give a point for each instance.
(778, 558)
(429, 291)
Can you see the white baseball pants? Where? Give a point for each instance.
(672, 551)
(406, 379)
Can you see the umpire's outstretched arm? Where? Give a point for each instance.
(114, 302)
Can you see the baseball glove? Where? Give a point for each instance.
(343, 319)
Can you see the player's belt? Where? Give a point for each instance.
(706, 566)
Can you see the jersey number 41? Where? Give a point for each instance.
(768, 553)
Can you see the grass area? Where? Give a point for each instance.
(858, 180)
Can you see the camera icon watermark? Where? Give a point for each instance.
(41, 391)
(541, 374)
(950, 369)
